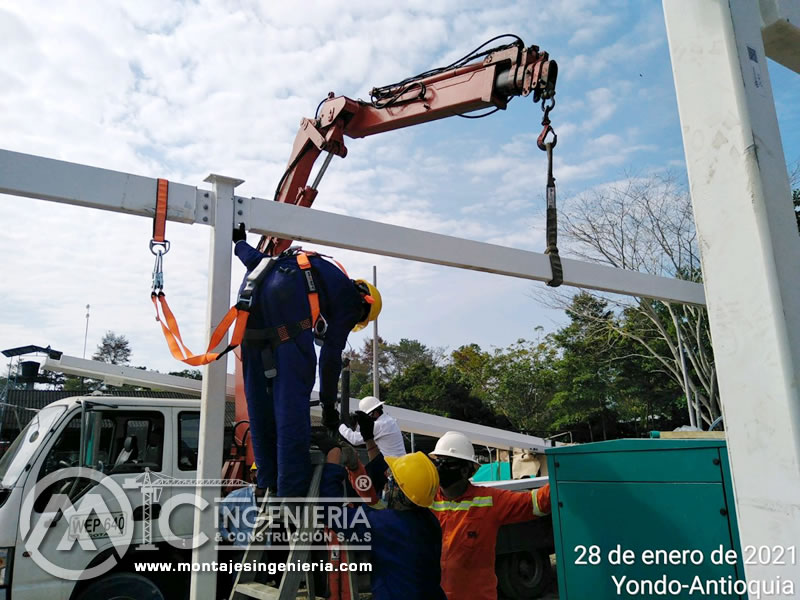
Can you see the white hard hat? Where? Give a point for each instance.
(369, 403)
(455, 445)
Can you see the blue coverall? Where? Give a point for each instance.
(406, 544)
(278, 408)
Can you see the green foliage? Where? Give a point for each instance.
(796, 204)
(584, 373)
(114, 349)
(523, 383)
(442, 391)
(189, 374)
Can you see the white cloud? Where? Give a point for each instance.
(179, 90)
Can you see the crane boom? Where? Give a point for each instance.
(488, 79)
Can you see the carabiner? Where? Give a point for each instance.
(158, 274)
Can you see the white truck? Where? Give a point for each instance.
(136, 455)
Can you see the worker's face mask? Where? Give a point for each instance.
(450, 472)
(393, 497)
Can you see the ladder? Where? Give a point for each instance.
(247, 584)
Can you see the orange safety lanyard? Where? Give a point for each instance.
(169, 324)
(160, 217)
(173, 335)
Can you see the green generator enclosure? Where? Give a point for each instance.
(644, 518)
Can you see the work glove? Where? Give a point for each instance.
(349, 459)
(366, 424)
(353, 422)
(324, 442)
(239, 234)
(330, 417)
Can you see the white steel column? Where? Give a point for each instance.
(212, 399)
(751, 258)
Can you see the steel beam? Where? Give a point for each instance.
(91, 187)
(751, 259)
(116, 375)
(412, 421)
(780, 29)
(293, 222)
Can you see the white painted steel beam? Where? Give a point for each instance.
(412, 421)
(116, 375)
(91, 187)
(294, 222)
(780, 29)
(516, 485)
(751, 259)
(409, 421)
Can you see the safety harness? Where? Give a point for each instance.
(268, 339)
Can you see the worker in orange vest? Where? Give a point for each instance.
(470, 517)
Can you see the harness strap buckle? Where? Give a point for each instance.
(244, 302)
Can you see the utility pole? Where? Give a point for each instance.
(86, 332)
(375, 384)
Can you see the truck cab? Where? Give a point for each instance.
(103, 447)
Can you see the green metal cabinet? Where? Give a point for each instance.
(647, 494)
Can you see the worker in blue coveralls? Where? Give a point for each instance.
(296, 298)
(404, 535)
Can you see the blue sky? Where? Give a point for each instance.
(179, 90)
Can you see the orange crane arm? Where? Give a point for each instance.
(480, 80)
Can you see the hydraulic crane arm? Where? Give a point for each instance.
(482, 79)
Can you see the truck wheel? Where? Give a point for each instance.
(122, 586)
(524, 575)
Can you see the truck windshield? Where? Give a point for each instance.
(13, 462)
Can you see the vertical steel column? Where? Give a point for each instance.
(751, 258)
(212, 400)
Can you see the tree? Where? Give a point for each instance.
(361, 367)
(114, 349)
(585, 371)
(406, 353)
(522, 384)
(441, 391)
(646, 224)
(188, 373)
(475, 366)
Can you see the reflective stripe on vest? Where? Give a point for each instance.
(476, 502)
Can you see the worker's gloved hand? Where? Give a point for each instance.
(353, 422)
(366, 424)
(325, 442)
(349, 459)
(330, 416)
(239, 234)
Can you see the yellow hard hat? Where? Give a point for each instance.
(416, 476)
(253, 467)
(373, 297)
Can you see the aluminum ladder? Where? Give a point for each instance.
(247, 586)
